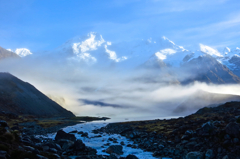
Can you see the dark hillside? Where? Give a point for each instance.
(21, 97)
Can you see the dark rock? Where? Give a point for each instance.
(53, 150)
(84, 134)
(233, 129)
(3, 154)
(209, 154)
(131, 157)
(194, 155)
(45, 148)
(79, 145)
(80, 132)
(3, 123)
(113, 156)
(207, 129)
(29, 148)
(56, 156)
(63, 135)
(74, 131)
(225, 157)
(65, 144)
(41, 157)
(90, 151)
(35, 139)
(235, 140)
(117, 149)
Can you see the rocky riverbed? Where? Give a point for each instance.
(208, 134)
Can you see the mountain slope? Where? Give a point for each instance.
(207, 69)
(22, 98)
(7, 54)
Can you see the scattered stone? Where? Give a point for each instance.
(63, 135)
(209, 154)
(194, 155)
(117, 149)
(3, 123)
(79, 145)
(233, 129)
(85, 134)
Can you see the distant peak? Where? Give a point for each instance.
(22, 52)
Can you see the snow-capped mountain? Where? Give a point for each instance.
(89, 49)
(231, 59)
(93, 50)
(22, 52)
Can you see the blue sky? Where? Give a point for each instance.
(46, 24)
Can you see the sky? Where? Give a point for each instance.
(44, 25)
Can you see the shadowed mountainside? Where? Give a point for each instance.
(21, 97)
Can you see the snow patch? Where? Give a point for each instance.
(113, 55)
(89, 44)
(160, 56)
(209, 50)
(22, 52)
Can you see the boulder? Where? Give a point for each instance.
(63, 135)
(84, 134)
(117, 149)
(233, 129)
(208, 127)
(113, 156)
(74, 131)
(209, 154)
(29, 148)
(78, 145)
(3, 123)
(3, 154)
(194, 155)
(65, 144)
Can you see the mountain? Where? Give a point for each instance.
(7, 54)
(200, 99)
(22, 52)
(207, 69)
(22, 98)
(90, 49)
(232, 59)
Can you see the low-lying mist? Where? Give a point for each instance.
(117, 92)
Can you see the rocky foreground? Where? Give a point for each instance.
(207, 134)
(210, 133)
